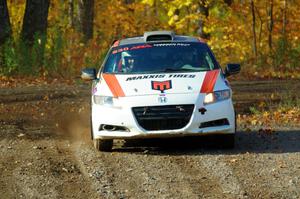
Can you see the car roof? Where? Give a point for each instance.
(157, 36)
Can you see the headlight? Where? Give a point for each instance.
(216, 96)
(103, 100)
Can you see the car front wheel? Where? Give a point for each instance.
(227, 141)
(103, 145)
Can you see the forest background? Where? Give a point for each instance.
(57, 38)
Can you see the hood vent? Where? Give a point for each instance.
(159, 36)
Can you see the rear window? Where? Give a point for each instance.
(160, 58)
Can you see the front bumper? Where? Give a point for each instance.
(121, 115)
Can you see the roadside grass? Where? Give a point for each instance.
(270, 115)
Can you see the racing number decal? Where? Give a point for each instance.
(113, 85)
(209, 81)
(161, 86)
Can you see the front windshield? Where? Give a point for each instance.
(159, 58)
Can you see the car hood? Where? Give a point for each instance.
(153, 84)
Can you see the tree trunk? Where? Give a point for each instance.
(260, 26)
(228, 2)
(128, 1)
(253, 28)
(86, 18)
(284, 18)
(5, 28)
(71, 13)
(204, 11)
(156, 6)
(35, 20)
(270, 25)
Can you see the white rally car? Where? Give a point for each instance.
(160, 85)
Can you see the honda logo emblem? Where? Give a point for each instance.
(162, 99)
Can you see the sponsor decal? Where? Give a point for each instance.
(141, 47)
(132, 48)
(182, 76)
(120, 50)
(114, 85)
(171, 44)
(209, 81)
(161, 86)
(117, 43)
(140, 77)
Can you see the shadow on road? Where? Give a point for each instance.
(251, 142)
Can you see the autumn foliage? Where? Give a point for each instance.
(262, 35)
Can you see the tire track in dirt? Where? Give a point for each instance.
(111, 177)
(159, 176)
(7, 167)
(208, 176)
(155, 175)
(64, 167)
(20, 181)
(269, 175)
(199, 180)
(40, 168)
(223, 173)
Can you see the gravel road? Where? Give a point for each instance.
(46, 152)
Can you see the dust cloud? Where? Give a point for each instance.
(74, 125)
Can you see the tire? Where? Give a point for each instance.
(103, 145)
(91, 121)
(227, 141)
(91, 126)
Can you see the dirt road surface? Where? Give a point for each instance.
(46, 152)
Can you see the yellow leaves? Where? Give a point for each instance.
(262, 105)
(150, 2)
(273, 96)
(171, 11)
(254, 122)
(178, 4)
(16, 11)
(229, 28)
(182, 13)
(267, 119)
(46, 98)
(266, 114)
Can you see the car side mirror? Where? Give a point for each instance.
(232, 69)
(88, 74)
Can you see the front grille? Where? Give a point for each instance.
(153, 118)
